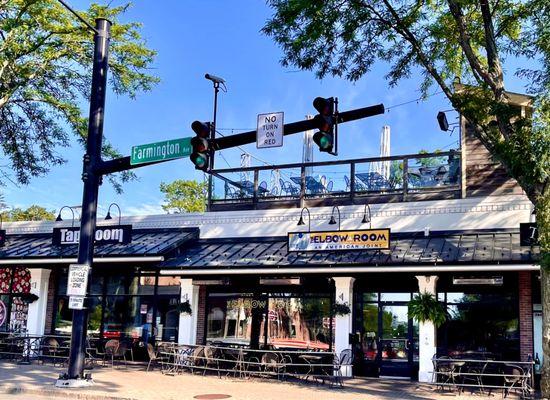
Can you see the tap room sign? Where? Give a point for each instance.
(364, 239)
(112, 234)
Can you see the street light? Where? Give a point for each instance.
(301, 221)
(59, 219)
(332, 219)
(367, 220)
(108, 216)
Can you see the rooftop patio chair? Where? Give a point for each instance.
(330, 186)
(348, 183)
(274, 191)
(262, 188)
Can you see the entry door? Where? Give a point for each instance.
(396, 346)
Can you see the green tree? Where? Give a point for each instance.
(446, 41)
(183, 196)
(32, 213)
(45, 75)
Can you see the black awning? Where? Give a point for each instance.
(406, 249)
(145, 242)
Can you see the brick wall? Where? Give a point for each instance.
(201, 315)
(48, 326)
(525, 315)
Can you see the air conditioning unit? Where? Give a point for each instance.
(494, 280)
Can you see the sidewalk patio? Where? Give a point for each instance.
(135, 383)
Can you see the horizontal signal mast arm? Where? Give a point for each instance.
(296, 127)
(227, 142)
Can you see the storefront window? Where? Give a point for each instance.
(130, 310)
(299, 323)
(292, 321)
(13, 308)
(482, 323)
(229, 319)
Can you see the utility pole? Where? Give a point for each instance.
(92, 179)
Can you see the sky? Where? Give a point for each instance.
(223, 38)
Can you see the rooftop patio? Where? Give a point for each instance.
(412, 177)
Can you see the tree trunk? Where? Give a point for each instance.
(543, 223)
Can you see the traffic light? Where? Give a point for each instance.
(325, 122)
(201, 151)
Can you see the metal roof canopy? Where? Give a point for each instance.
(409, 252)
(148, 245)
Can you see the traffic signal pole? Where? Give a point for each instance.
(92, 179)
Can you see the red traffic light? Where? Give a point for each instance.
(324, 106)
(202, 129)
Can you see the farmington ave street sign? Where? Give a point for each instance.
(161, 151)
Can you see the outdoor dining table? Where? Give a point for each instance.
(238, 357)
(248, 188)
(312, 360)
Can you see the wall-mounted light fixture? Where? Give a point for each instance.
(301, 221)
(108, 216)
(59, 219)
(332, 220)
(367, 219)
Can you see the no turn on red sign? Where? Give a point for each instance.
(269, 132)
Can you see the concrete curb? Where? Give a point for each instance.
(59, 393)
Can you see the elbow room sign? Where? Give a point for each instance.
(103, 235)
(365, 239)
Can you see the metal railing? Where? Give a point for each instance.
(407, 177)
(484, 375)
(244, 362)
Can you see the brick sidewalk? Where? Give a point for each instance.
(134, 383)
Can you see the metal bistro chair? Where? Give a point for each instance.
(515, 378)
(50, 349)
(345, 360)
(153, 356)
(113, 350)
(212, 360)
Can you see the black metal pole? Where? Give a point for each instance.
(91, 178)
(212, 137)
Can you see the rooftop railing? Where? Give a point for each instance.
(410, 177)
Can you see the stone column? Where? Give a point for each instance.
(427, 333)
(188, 323)
(343, 328)
(36, 318)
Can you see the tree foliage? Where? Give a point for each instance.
(32, 213)
(45, 78)
(184, 196)
(447, 41)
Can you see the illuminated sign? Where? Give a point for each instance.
(112, 234)
(364, 239)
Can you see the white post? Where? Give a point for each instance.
(427, 346)
(343, 328)
(188, 323)
(36, 317)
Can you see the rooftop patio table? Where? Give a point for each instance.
(373, 180)
(312, 184)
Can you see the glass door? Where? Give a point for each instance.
(395, 349)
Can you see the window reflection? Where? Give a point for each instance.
(482, 323)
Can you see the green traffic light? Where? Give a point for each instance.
(200, 160)
(325, 142)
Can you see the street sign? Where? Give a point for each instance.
(76, 302)
(269, 132)
(161, 151)
(78, 280)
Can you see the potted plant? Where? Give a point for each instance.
(185, 308)
(341, 308)
(425, 307)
